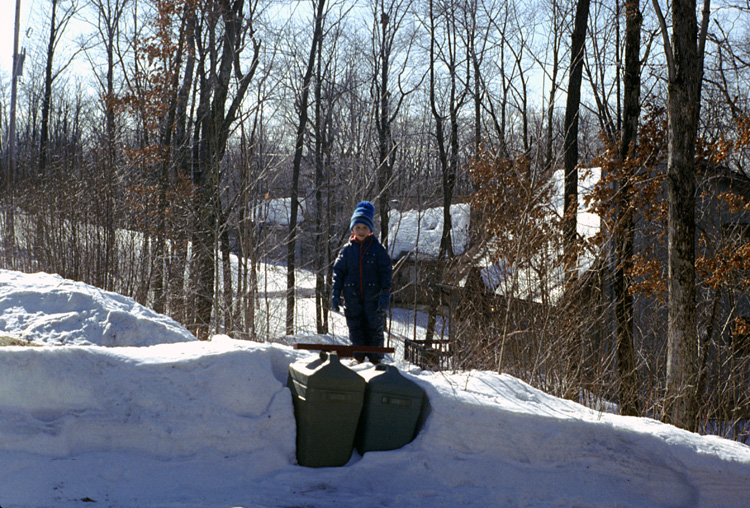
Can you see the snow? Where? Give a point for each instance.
(45, 308)
(503, 278)
(411, 231)
(420, 231)
(277, 211)
(587, 222)
(183, 423)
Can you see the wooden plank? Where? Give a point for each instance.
(343, 350)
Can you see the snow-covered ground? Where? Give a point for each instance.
(164, 421)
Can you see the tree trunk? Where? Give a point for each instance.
(226, 270)
(448, 162)
(683, 104)
(626, 359)
(385, 140)
(299, 145)
(321, 238)
(213, 128)
(44, 131)
(572, 346)
(572, 108)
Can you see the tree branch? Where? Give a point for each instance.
(665, 35)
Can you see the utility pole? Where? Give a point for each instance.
(10, 177)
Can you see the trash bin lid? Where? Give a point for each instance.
(326, 373)
(386, 379)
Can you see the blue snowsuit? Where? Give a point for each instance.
(363, 274)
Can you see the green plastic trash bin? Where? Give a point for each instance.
(327, 404)
(391, 410)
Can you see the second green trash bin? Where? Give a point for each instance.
(391, 410)
(327, 400)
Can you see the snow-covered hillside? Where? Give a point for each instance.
(173, 422)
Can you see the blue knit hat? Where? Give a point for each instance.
(363, 214)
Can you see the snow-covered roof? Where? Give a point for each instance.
(526, 283)
(277, 211)
(420, 231)
(588, 223)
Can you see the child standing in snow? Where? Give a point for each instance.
(362, 274)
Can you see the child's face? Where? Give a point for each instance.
(361, 231)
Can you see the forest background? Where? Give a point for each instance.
(141, 139)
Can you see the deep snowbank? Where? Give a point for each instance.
(211, 424)
(44, 308)
(161, 401)
(222, 406)
(588, 458)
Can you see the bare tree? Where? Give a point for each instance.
(109, 16)
(219, 61)
(327, 95)
(448, 53)
(573, 336)
(572, 110)
(387, 21)
(57, 27)
(624, 235)
(556, 38)
(322, 219)
(685, 67)
(318, 8)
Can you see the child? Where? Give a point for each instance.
(362, 274)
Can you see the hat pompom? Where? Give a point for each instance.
(366, 207)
